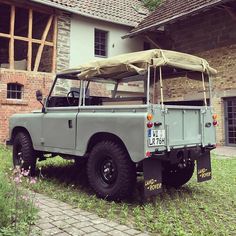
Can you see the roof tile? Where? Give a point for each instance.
(127, 12)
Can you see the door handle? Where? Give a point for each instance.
(70, 124)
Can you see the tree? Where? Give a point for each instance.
(151, 4)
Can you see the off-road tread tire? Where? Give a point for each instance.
(29, 157)
(126, 171)
(181, 177)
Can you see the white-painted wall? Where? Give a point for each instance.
(82, 39)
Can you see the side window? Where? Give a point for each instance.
(100, 43)
(14, 91)
(65, 93)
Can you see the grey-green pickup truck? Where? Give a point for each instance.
(112, 115)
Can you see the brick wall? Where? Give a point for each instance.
(211, 35)
(224, 84)
(31, 82)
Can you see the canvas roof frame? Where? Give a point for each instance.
(134, 67)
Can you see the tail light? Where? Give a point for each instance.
(149, 116)
(215, 123)
(214, 117)
(148, 154)
(149, 125)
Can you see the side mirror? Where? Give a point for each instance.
(39, 96)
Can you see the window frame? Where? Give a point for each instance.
(19, 89)
(105, 45)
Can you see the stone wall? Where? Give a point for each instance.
(63, 41)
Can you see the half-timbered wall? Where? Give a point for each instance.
(28, 38)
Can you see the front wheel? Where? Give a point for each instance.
(175, 175)
(23, 153)
(110, 171)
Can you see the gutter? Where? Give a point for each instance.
(169, 20)
(63, 8)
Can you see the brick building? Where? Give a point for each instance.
(40, 37)
(206, 28)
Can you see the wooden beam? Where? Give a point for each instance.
(38, 41)
(11, 42)
(5, 35)
(54, 56)
(43, 39)
(25, 27)
(152, 42)
(30, 30)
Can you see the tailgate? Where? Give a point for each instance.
(185, 126)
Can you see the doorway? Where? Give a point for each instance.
(230, 121)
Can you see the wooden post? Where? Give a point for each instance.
(54, 56)
(231, 12)
(11, 42)
(30, 26)
(152, 41)
(43, 39)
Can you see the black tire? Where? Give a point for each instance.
(23, 153)
(111, 173)
(175, 176)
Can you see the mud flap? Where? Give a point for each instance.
(152, 171)
(204, 167)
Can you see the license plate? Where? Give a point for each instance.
(156, 137)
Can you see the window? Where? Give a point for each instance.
(100, 43)
(14, 91)
(27, 39)
(230, 121)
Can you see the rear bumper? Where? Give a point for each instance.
(186, 152)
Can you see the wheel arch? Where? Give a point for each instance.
(18, 129)
(102, 136)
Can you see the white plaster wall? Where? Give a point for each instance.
(82, 39)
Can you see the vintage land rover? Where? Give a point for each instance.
(112, 115)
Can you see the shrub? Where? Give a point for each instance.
(151, 4)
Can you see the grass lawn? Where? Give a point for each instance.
(196, 209)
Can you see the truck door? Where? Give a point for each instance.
(59, 128)
(59, 123)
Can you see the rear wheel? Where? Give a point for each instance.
(110, 171)
(23, 153)
(176, 175)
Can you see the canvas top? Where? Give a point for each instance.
(137, 63)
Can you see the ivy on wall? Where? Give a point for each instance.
(151, 4)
